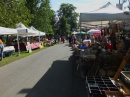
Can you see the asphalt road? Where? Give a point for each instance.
(47, 73)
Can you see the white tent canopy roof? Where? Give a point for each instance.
(41, 33)
(23, 30)
(93, 30)
(7, 31)
(104, 15)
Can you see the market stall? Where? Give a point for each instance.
(108, 62)
(39, 33)
(24, 31)
(102, 17)
(8, 50)
(93, 32)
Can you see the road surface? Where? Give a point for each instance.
(48, 73)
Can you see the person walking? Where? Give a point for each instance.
(1, 50)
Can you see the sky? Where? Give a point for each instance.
(85, 5)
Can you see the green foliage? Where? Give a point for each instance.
(68, 10)
(64, 25)
(44, 18)
(13, 12)
(37, 13)
(32, 5)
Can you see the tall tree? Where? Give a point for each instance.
(33, 5)
(44, 17)
(12, 12)
(68, 10)
(64, 26)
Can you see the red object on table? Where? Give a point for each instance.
(108, 46)
(35, 45)
(48, 41)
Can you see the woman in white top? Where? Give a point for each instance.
(86, 41)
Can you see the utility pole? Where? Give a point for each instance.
(119, 1)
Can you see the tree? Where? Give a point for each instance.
(12, 12)
(65, 27)
(68, 10)
(23, 13)
(32, 5)
(44, 17)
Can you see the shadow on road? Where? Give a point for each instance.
(61, 80)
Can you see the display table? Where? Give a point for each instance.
(21, 45)
(9, 49)
(35, 45)
(86, 54)
(105, 87)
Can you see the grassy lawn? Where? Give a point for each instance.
(15, 56)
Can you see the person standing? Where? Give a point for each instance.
(73, 39)
(1, 50)
(70, 38)
(113, 40)
(63, 39)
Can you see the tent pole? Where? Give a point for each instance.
(80, 31)
(101, 28)
(39, 36)
(27, 34)
(101, 24)
(18, 44)
(27, 38)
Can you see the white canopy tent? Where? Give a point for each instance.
(7, 31)
(103, 17)
(22, 30)
(39, 33)
(94, 32)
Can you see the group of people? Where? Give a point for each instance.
(99, 38)
(72, 39)
(86, 40)
(56, 40)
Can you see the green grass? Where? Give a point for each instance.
(15, 56)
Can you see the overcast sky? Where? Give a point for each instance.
(84, 5)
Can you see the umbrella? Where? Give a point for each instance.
(74, 32)
(81, 32)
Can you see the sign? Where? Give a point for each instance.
(29, 47)
(119, 6)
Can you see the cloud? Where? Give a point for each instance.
(83, 5)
